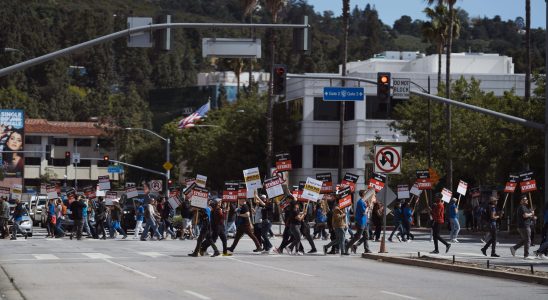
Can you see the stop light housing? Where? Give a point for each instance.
(106, 158)
(67, 158)
(383, 87)
(170, 183)
(279, 73)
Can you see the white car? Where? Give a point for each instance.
(39, 204)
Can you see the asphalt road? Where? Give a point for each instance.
(129, 269)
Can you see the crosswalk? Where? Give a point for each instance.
(86, 256)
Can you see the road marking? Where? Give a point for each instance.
(97, 255)
(129, 269)
(151, 254)
(200, 296)
(45, 256)
(270, 267)
(398, 295)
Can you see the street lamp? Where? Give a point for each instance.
(168, 143)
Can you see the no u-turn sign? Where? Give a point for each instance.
(387, 159)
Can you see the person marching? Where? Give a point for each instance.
(454, 220)
(305, 230)
(493, 217)
(437, 212)
(361, 225)
(4, 217)
(17, 217)
(243, 225)
(100, 217)
(267, 213)
(407, 220)
(339, 224)
(525, 217)
(205, 234)
(217, 228)
(398, 215)
(77, 209)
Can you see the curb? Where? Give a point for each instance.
(458, 269)
(7, 287)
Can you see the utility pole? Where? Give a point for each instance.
(342, 105)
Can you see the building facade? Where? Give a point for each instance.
(84, 138)
(365, 121)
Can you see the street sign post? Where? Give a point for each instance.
(75, 158)
(167, 166)
(114, 169)
(400, 88)
(387, 159)
(343, 94)
(156, 185)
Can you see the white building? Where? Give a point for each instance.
(229, 81)
(317, 149)
(84, 138)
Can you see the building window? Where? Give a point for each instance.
(33, 139)
(382, 111)
(59, 142)
(82, 142)
(330, 110)
(103, 163)
(59, 162)
(84, 163)
(327, 156)
(32, 161)
(297, 156)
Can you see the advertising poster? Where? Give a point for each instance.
(12, 138)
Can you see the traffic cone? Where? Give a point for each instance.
(383, 246)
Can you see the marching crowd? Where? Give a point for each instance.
(254, 218)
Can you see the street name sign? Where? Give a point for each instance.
(343, 94)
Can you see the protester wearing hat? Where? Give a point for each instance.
(454, 220)
(217, 228)
(205, 234)
(437, 212)
(493, 217)
(525, 217)
(267, 213)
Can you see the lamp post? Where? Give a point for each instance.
(168, 144)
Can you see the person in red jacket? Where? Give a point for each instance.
(437, 212)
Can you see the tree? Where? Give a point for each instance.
(450, 4)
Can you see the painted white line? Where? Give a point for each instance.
(129, 269)
(45, 256)
(96, 255)
(151, 254)
(199, 296)
(270, 267)
(398, 295)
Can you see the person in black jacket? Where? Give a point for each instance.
(100, 217)
(217, 228)
(77, 214)
(205, 234)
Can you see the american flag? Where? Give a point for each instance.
(194, 117)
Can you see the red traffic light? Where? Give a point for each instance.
(67, 154)
(384, 79)
(280, 71)
(106, 158)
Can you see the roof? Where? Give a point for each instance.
(43, 126)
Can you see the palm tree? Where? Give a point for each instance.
(450, 4)
(344, 42)
(274, 7)
(437, 31)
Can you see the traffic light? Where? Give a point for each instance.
(170, 183)
(383, 87)
(106, 158)
(279, 78)
(67, 158)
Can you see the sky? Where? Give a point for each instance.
(391, 10)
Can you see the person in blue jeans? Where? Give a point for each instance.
(454, 220)
(361, 225)
(406, 221)
(397, 223)
(17, 217)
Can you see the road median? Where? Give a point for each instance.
(460, 267)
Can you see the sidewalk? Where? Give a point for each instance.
(7, 289)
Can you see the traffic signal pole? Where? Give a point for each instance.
(129, 31)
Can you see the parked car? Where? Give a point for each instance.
(26, 225)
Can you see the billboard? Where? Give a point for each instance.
(12, 138)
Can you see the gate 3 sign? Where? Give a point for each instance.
(387, 159)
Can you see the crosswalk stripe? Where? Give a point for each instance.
(45, 256)
(97, 255)
(151, 254)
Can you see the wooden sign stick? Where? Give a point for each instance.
(531, 201)
(458, 201)
(504, 203)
